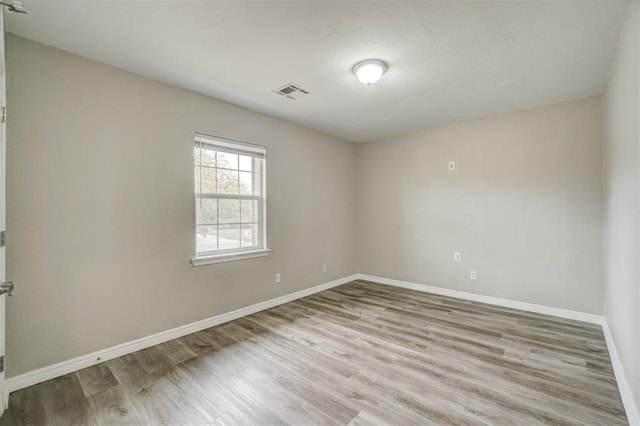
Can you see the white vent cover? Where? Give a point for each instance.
(291, 91)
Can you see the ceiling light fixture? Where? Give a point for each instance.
(370, 71)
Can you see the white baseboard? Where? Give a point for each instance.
(628, 400)
(507, 303)
(56, 370)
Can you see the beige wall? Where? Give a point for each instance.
(101, 216)
(622, 198)
(524, 206)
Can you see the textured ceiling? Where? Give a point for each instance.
(449, 61)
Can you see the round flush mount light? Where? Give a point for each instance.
(370, 71)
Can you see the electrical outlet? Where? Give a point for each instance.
(457, 257)
(325, 268)
(452, 166)
(473, 275)
(278, 278)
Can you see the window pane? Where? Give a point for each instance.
(196, 155)
(206, 177)
(208, 157)
(246, 163)
(246, 183)
(206, 238)
(249, 211)
(206, 211)
(227, 161)
(229, 211)
(249, 235)
(227, 181)
(229, 236)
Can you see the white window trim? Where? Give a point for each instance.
(229, 257)
(210, 258)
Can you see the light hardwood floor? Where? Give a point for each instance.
(358, 354)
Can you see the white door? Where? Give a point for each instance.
(3, 192)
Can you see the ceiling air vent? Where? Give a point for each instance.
(291, 91)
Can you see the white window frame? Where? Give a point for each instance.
(217, 256)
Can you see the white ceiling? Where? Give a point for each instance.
(449, 61)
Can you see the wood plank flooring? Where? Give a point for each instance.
(359, 354)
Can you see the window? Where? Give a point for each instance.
(230, 200)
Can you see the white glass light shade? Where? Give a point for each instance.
(370, 71)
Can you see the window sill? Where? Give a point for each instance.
(219, 258)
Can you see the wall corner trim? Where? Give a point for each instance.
(628, 400)
(59, 369)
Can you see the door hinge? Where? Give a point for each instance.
(7, 288)
(1, 363)
(4, 114)
(3, 238)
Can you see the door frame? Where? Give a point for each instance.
(3, 192)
